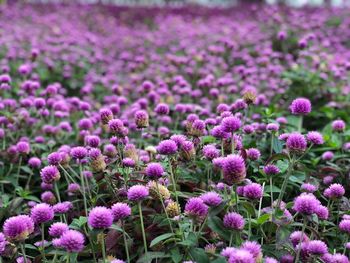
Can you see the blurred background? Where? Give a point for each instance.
(295, 3)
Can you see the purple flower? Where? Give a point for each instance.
(271, 169)
(41, 213)
(100, 217)
(306, 204)
(211, 198)
(234, 221)
(241, 256)
(141, 119)
(234, 170)
(253, 154)
(72, 241)
(296, 143)
(57, 229)
(137, 193)
(270, 260)
(78, 152)
(167, 147)
(317, 247)
(49, 174)
(61, 208)
(48, 197)
(327, 156)
(54, 158)
(344, 225)
(162, 109)
(34, 162)
(117, 261)
(338, 125)
(128, 162)
(273, 127)
(315, 137)
(3, 243)
(253, 247)
(334, 191)
(120, 211)
(210, 152)
(322, 212)
(231, 124)
(253, 191)
(23, 147)
(92, 141)
(309, 188)
(300, 106)
(23, 260)
(154, 170)
(195, 207)
(18, 228)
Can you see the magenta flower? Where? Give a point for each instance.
(72, 241)
(120, 211)
(18, 228)
(42, 213)
(195, 207)
(300, 106)
(137, 193)
(234, 221)
(100, 217)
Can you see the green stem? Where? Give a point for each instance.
(83, 189)
(271, 195)
(231, 239)
(142, 227)
(103, 247)
(300, 124)
(173, 182)
(300, 240)
(126, 243)
(18, 170)
(285, 182)
(42, 241)
(23, 250)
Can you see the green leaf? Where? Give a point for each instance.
(150, 256)
(175, 255)
(262, 219)
(217, 226)
(219, 260)
(208, 139)
(161, 238)
(277, 145)
(199, 255)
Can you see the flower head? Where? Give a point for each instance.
(137, 193)
(234, 221)
(42, 213)
(100, 217)
(300, 106)
(72, 241)
(18, 228)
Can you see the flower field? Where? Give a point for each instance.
(189, 134)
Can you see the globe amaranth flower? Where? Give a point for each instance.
(219, 132)
(128, 162)
(306, 204)
(300, 106)
(271, 169)
(240, 256)
(234, 169)
(34, 162)
(270, 260)
(100, 217)
(57, 229)
(344, 225)
(210, 152)
(253, 247)
(50, 174)
(317, 247)
(253, 154)
(42, 213)
(296, 143)
(78, 152)
(141, 119)
(327, 156)
(63, 207)
(231, 124)
(48, 197)
(253, 191)
(117, 261)
(18, 228)
(309, 188)
(120, 211)
(338, 125)
(195, 207)
(3, 243)
(106, 115)
(315, 138)
(167, 147)
(154, 170)
(211, 198)
(234, 221)
(334, 191)
(137, 193)
(162, 109)
(322, 212)
(23, 147)
(287, 258)
(23, 260)
(272, 127)
(72, 241)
